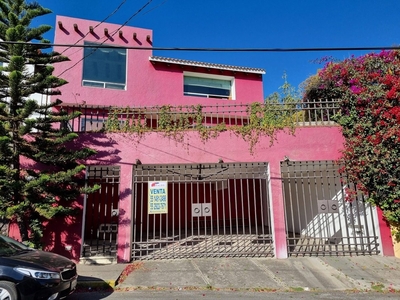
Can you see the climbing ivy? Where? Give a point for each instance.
(261, 120)
(265, 120)
(279, 112)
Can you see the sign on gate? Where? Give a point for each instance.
(158, 197)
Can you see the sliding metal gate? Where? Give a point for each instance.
(319, 221)
(201, 210)
(101, 212)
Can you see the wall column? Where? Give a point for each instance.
(277, 210)
(386, 235)
(125, 224)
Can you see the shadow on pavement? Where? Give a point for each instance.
(93, 288)
(95, 295)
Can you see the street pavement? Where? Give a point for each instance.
(305, 274)
(230, 295)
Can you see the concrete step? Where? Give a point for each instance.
(98, 260)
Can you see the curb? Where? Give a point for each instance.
(96, 285)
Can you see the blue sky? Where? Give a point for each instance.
(250, 24)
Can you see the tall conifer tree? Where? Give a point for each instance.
(29, 130)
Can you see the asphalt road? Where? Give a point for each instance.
(183, 295)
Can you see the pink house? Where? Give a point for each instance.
(134, 77)
(163, 198)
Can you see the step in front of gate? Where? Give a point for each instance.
(204, 246)
(98, 260)
(99, 250)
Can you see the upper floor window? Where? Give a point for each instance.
(209, 86)
(104, 67)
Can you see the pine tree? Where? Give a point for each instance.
(30, 131)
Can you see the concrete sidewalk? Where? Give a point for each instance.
(91, 275)
(296, 274)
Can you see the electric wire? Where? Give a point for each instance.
(112, 35)
(132, 16)
(307, 49)
(101, 22)
(150, 10)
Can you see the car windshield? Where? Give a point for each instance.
(9, 246)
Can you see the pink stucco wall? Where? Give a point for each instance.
(147, 83)
(311, 143)
(151, 84)
(308, 143)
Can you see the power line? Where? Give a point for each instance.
(112, 35)
(132, 16)
(101, 22)
(150, 10)
(309, 49)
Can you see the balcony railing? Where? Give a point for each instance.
(159, 118)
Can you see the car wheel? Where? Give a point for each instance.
(8, 291)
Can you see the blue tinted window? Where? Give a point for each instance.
(104, 67)
(207, 87)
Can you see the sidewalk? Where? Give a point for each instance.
(294, 274)
(91, 275)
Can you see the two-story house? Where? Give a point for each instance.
(179, 196)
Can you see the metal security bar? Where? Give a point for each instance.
(101, 212)
(319, 220)
(212, 210)
(97, 118)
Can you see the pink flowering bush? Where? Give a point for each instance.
(368, 88)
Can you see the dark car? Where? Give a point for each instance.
(26, 273)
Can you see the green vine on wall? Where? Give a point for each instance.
(261, 120)
(279, 112)
(124, 121)
(265, 120)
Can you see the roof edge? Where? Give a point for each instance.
(192, 63)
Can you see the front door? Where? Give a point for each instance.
(101, 212)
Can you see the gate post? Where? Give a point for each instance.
(385, 234)
(277, 210)
(124, 243)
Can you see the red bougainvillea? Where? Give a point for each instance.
(368, 88)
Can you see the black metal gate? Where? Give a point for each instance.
(101, 212)
(201, 210)
(319, 220)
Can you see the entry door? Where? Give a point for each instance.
(101, 212)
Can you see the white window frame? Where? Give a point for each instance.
(211, 76)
